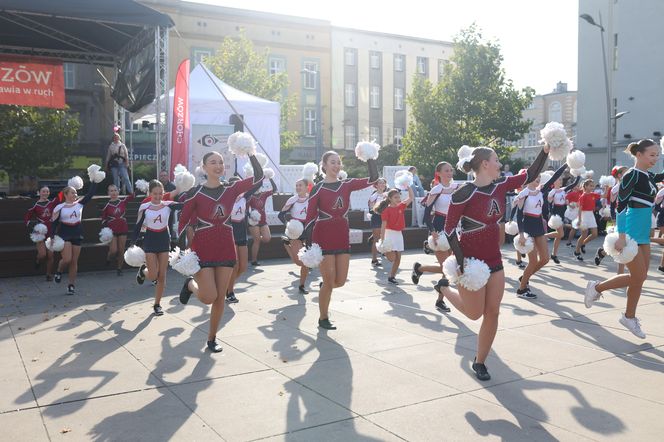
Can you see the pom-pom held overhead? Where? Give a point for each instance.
(40, 228)
(142, 185)
(187, 264)
(262, 159)
(576, 159)
(555, 222)
(248, 170)
(581, 171)
(242, 144)
(37, 237)
(607, 181)
(105, 235)
(342, 175)
(254, 217)
(403, 179)
(200, 175)
(438, 245)
(134, 256)
(311, 256)
(268, 173)
(555, 136)
(465, 154)
(55, 244)
(184, 181)
(545, 176)
(75, 182)
(475, 274)
(628, 252)
(95, 174)
(178, 169)
(512, 228)
(309, 170)
(528, 245)
(294, 229)
(588, 174)
(367, 150)
(384, 246)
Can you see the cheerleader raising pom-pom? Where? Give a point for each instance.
(576, 160)
(294, 229)
(143, 186)
(465, 154)
(254, 217)
(134, 256)
(55, 244)
(555, 222)
(384, 246)
(184, 181)
(262, 159)
(268, 173)
(628, 252)
(342, 175)
(403, 180)
(309, 171)
(439, 244)
(555, 135)
(178, 169)
(512, 228)
(525, 248)
(40, 229)
(311, 256)
(367, 150)
(37, 237)
(607, 181)
(605, 212)
(242, 144)
(475, 273)
(187, 264)
(95, 174)
(581, 171)
(75, 182)
(105, 235)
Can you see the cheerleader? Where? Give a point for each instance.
(531, 219)
(392, 212)
(327, 225)
(659, 208)
(376, 197)
(42, 211)
(617, 172)
(479, 206)
(67, 223)
(558, 205)
(636, 196)
(208, 210)
(586, 218)
(260, 232)
(572, 200)
(296, 209)
(437, 205)
(113, 217)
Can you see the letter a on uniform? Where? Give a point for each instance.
(339, 203)
(494, 209)
(218, 212)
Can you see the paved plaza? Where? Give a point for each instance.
(98, 366)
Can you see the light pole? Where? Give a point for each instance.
(319, 127)
(609, 142)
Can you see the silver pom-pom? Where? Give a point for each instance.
(95, 174)
(342, 175)
(254, 217)
(184, 181)
(571, 213)
(268, 173)
(367, 150)
(555, 135)
(384, 246)
(40, 229)
(555, 222)
(311, 256)
(578, 226)
(309, 171)
(248, 170)
(105, 235)
(475, 275)
(527, 247)
(605, 212)
(134, 256)
(179, 168)
(576, 159)
(174, 256)
(242, 144)
(607, 181)
(142, 185)
(55, 244)
(37, 237)
(581, 171)
(403, 179)
(294, 229)
(589, 174)
(75, 182)
(188, 263)
(628, 252)
(262, 159)
(512, 228)
(438, 245)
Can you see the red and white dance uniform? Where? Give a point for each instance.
(257, 202)
(113, 215)
(442, 197)
(42, 212)
(155, 219)
(394, 218)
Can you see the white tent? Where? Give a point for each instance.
(211, 101)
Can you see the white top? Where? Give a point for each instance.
(298, 207)
(239, 210)
(660, 196)
(557, 197)
(156, 217)
(442, 204)
(70, 214)
(614, 192)
(375, 198)
(532, 202)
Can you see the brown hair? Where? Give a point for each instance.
(153, 184)
(586, 182)
(67, 190)
(379, 207)
(479, 154)
(324, 158)
(639, 146)
(209, 154)
(437, 170)
(111, 185)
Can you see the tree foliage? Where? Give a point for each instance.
(389, 156)
(239, 64)
(36, 141)
(473, 104)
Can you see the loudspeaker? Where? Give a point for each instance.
(236, 121)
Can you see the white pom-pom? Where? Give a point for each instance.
(311, 256)
(242, 144)
(555, 135)
(465, 154)
(248, 170)
(555, 222)
(37, 237)
(661, 143)
(525, 248)
(75, 182)
(187, 264)
(475, 275)
(174, 256)
(143, 186)
(40, 229)
(98, 177)
(607, 181)
(342, 175)
(200, 175)
(367, 150)
(179, 168)
(578, 226)
(309, 171)
(105, 235)
(262, 159)
(588, 174)
(254, 217)
(403, 179)
(581, 171)
(576, 159)
(184, 181)
(545, 176)
(451, 269)
(384, 246)
(571, 213)
(512, 228)
(55, 244)
(134, 256)
(268, 173)
(605, 212)
(438, 245)
(628, 252)
(294, 229)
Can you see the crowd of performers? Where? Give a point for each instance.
(467, 223)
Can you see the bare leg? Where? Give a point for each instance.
(73, 264)
(328, 273)
(65, 257)
(122, 240)
(255, 233)
(162, 267)
(374, 253)
(493, 295)
(556, 242)
(49, 263)
(537, 259)
(222, 276)
(395, 264)
(112, 248)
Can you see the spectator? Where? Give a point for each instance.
(163, 178)
(506, 171)
(117, 158)
(418, 190)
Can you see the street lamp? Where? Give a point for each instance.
(609, 145)
(319, 129)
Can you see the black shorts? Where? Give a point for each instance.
(205, 264)
(71, 234)
(558, 210)
(438, 222)
(495, 269)
(156, 242)
(534, 226)
(376, 221)
(74, 241)
(239, 233)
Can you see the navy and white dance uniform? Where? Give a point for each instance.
(557, 200)
(375, 198)
(295, 208)
(636, 198)
(532, 215)
(67, 218)
(155, 219)
(436, 212)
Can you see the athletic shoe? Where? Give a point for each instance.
(425, 247)
(302, 290)
(555, 259)
(285, 240)
(231, 299)
(158, 311)
(185, 293)
(523, 255)
(326, 324)
(58, 277)
(140, 275)
(118, 272)
(376, 263)
(154, 283)
(591, 294)
(526, 294)
(578, 256)
(599, 256)
(441, 306)
(214, 346)
(415, 276)
(569, 244)
(521, 265)
(660, 268)
(71, 290)
(255, 263)
(633, 325)
(392, 280)
(583, 249)
(480, 371)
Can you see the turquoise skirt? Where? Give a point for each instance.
(636, 223)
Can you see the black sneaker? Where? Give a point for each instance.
(231, 299)
(525, 294)
(57, 277)
(583, 249)
(214, 346)
(285, 240)
(376, 263)
(302, 290)
(425, 247)
(569, 244)
(415, 276)
(441, 306)
(599, 256)
(71, 290)
(520, 278)
(326, 324)
(523, 255)
(660, 268)
(480, 371)
(158, 311)
(521, 265)
(392, 280)
(578, 256)
(140, 275)
(555, 259)
(255, 263)
(118, 272)
(442, 282)
(185, 293)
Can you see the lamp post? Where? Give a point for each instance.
(319, 129)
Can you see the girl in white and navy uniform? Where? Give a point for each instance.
(67, 223)
(376, 197)
(558, 206)
(296, 209)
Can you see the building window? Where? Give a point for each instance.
(350, 95)
(198, 55)
(532, 139)
(374, 97)
(277, 65)
(374, 58)
(398, 136)
(442, 67)
(349, 137)
(349, 57)
(398, 62)
(374, 134)
(398, 98)
(310, 118)
(556, 112)
(310, 73)
(422, 65)
(70, 75)
(531, 105)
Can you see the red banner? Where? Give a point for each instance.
(32, 82)
(180, 126)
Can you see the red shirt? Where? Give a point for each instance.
(394, 216)
(587, 201)
(573, 197)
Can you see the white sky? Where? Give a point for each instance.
(538, 37)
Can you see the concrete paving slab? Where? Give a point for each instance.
(357, 429)
(25, 425)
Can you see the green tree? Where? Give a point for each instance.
(36, 141)
(389, 156)
(473, 104)
(239, 64)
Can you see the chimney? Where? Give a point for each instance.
(561, 87)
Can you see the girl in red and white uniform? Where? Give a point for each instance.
(586, 220)
(113, 217)
(296, 209)
(392, 213)
(558, 205)
(478, 206)
(67, 223)
(572, 199)
(261, 232)
(208, 210)
(617, 172)
(42, 211)
(376, 197)
(327, 225)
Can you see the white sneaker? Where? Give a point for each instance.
(633, 325)
(592, 294)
